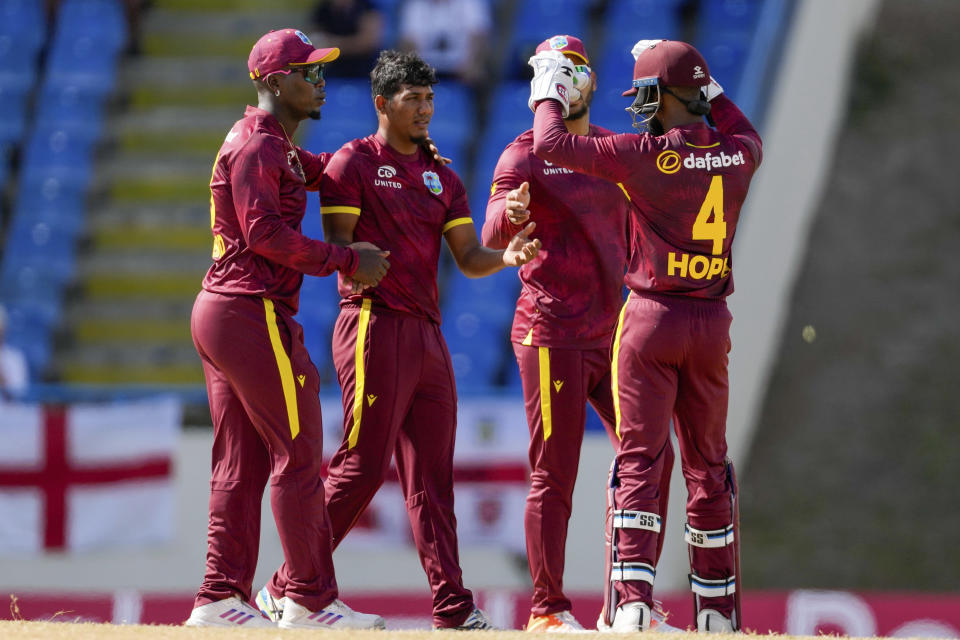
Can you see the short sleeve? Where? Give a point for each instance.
(340, 188)
(459, 211)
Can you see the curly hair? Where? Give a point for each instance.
(396, 68)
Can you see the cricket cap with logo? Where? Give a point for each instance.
(671, 62)
(569, 45)
(280, 49)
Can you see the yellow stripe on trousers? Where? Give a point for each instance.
(283, 366)
(359, 373)
(614, 369)
(546, 412)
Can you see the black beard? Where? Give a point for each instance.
(418, 140)
(314, 115)
(584, 108)
(655, 127)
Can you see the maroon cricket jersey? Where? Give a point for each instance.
(258, 199)
(405, 204)
(687, 187)
(572, 290)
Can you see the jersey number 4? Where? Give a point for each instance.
(714, 230)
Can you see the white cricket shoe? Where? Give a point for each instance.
(231, 612)
(476, 621)
(631, 617)
(269, 606)
(335, 615)
(711, 621)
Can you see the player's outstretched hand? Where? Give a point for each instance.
(371, 267)
(521, 249)
(552, 79)
(518, 203)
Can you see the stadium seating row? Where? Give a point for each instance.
(62, 80)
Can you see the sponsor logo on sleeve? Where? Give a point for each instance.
(432, 180)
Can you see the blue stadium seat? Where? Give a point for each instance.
(537, 20)
(509, 112)
(13, 113)
(725, 29)
(26, 21)
(74, 108)
(627, 21)
(103, 20)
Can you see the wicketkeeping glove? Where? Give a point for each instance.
(552, 79)
(713, 89)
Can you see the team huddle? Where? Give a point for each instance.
(656, 210)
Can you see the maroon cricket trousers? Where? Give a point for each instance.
(263, 393)
(670, 361)
(557, 384)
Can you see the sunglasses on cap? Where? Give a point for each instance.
(312, 73)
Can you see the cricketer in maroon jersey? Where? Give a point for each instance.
(563, 326)
(392, 362)
(261, 384)
(670, 349)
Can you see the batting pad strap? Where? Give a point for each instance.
(713, 588)
(625, 519)
(621, 571)
(708, 539)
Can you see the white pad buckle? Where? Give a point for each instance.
(621, 571)
(708, 539)
(625, 519)
(713, 588)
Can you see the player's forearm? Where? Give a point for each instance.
(731, 121)
(481, 261)
(497, 229)
(288, 247)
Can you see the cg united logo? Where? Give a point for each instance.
(668, 162)
(386, 171)
(432, 180)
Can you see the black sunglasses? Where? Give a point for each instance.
(312, 73)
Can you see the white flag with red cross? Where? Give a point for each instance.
(87, 476)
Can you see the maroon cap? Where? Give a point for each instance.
(279, 49)
(674, 63)
(565, 44)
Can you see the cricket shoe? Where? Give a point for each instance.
(476, 621)
(269, 606)
(560, 622)
(335, 615)
(631, 617)
(231, 612)
(658, 621)
(711, 621)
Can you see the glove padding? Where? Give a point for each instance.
(552, 79)
(641, 46)
(712, 90)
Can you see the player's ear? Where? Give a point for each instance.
(380, 104)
